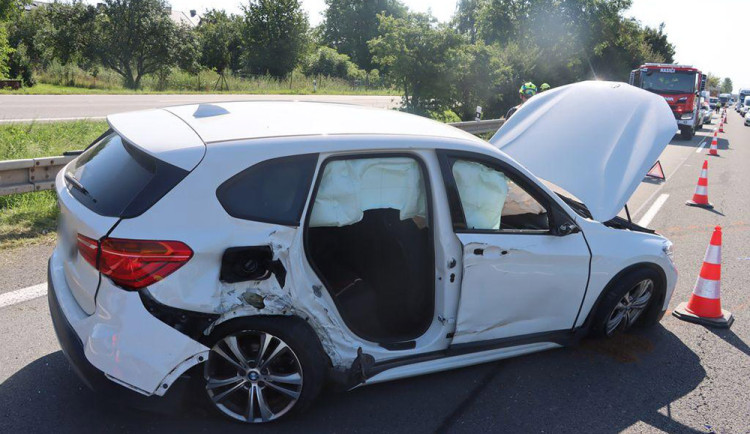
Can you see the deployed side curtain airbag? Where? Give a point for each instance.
(350, 187)
(482, 191)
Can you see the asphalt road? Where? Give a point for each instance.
(676, 377)
(14, 108)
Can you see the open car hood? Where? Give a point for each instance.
(595, 139)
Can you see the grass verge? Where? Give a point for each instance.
(31, 218)
(53, 89)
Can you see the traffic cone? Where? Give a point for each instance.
(704, 306)
(700, 198)
(714, 150)
(721, 126)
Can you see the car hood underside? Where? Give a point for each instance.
(595, 139)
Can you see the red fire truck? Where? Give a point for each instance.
(679, 85)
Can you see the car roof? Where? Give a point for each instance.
(251, 120)
(180, 132)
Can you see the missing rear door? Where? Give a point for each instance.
(369, 238)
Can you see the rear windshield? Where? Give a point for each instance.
(115, 179)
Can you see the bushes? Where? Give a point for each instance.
(330, 63)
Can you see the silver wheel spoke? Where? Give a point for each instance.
(227, 392)
(265, 342)
(214, 383)
(265, 410)
(615, 321)
(250, 410)
(295, 379)
(290, 393)
(279, 348)
(234, 347)
(227, 357)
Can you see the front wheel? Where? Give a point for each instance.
(629, 303)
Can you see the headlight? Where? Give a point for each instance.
(687, 116)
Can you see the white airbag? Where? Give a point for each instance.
(483, 192)
(348, 188)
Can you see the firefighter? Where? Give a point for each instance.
(544, 87)
(525, 92)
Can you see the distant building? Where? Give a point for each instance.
(181, 17)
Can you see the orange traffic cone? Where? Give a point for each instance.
(721, 126)
(714, 150)
(704, 306)
(700, 198)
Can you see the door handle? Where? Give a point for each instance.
(491, 251)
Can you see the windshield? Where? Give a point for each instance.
(669, 82)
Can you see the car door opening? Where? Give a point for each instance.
(370, 241)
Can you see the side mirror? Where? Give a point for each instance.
(567, 229)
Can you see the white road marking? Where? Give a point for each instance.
(653, 195)
(21, 295)
(651, 213)
(702, 145)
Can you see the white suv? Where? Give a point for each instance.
(248, 253)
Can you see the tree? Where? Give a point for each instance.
(416, 50)
(712, 84)
(220, 41)
(275, 36)
(349, 24)
(135, 38)
(70, 32)
(657, 41)
(726, 85)
(466, 18)
(8, 8)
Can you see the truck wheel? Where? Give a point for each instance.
(687, 133)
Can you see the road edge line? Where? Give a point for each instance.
(11, 298)
(651, 213)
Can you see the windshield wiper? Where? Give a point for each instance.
(78, 186)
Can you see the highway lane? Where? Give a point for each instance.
(14, 108)
(677, 377)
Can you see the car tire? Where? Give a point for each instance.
(686, 133)
(612, 301)
(304, 352)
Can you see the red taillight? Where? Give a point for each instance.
(135, 264)
(88, 248)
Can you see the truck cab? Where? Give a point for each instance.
(680, 86)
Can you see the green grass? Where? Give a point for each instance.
(53, 89)
(31, 218)
(70, 80)
(28, 218)
(46, 139)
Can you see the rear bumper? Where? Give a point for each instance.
(108, 368)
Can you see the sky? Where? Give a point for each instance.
(693, 27)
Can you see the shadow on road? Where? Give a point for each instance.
(599, 386)
(732, 339)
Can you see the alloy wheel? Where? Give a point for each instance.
(253, 376)
(631, 306)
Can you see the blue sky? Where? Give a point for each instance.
(704, 33)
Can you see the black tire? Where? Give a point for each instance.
(616, 292)
(298, 336)
(687, 133)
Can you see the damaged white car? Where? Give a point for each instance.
(244, 254)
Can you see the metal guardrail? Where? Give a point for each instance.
(36, 174)
(33, 174)
(480, 127)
